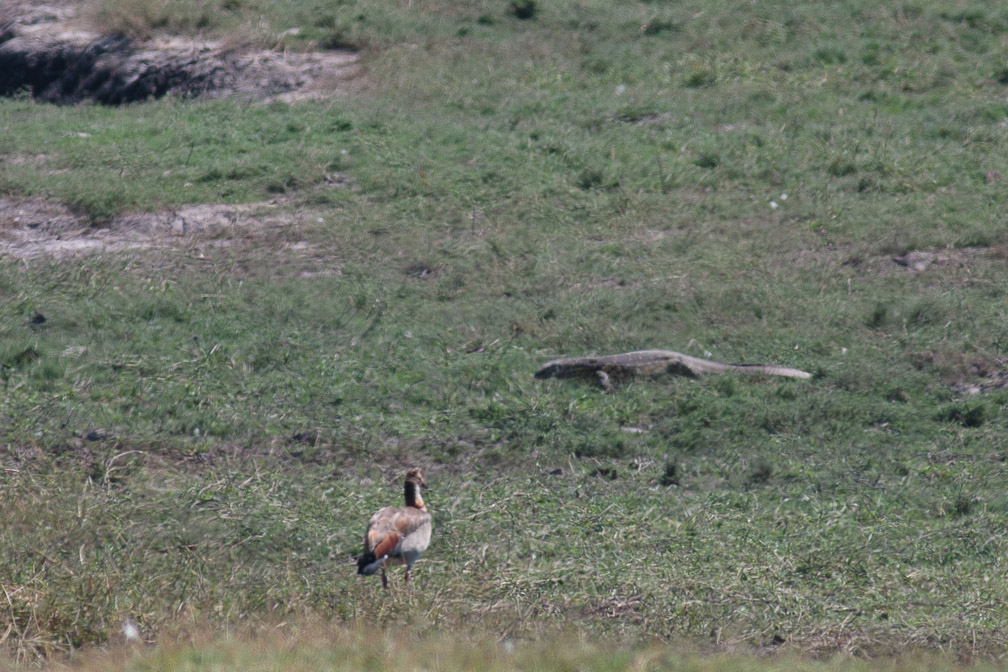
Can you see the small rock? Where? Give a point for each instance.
(131, 631)
(915, 260)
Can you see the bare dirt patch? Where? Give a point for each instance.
(235, 238)
(45, 51)
(867, 262)
(35, 227)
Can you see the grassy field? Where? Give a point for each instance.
(195, 435)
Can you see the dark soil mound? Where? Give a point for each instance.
(42, 55)
(107, 71)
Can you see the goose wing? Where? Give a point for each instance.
(390, 526)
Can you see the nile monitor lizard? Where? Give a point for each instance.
(607, 368)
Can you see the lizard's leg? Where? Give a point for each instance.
(681, 369)
(603, 380)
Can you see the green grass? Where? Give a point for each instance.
(195, 436)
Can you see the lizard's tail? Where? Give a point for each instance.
(785, 371)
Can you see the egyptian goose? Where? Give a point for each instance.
(397, 536)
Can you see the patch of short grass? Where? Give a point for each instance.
(141, 18)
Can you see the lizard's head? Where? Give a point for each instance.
(547, 370)
(550, 369)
